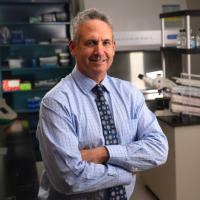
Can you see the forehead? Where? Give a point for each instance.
(95, 28)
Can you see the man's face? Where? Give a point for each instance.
(94, 50)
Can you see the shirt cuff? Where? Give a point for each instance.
(123, 177)
(117, 153)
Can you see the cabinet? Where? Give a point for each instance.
(178, 179)
(188, 51)
(33, 51)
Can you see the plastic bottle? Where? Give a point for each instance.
(192, 40)
(179, 39)
(183, 39)
(34, 62)
(198, 38)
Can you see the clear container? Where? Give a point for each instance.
(198, 38)
(184, 39)
(192, 40)
(179, 39)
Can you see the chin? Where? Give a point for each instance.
(101, 69)
(99, 65)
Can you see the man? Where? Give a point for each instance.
(95, 131)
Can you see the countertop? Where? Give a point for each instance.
(182, 120)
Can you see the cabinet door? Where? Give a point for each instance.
(162, 180)
(33, 50)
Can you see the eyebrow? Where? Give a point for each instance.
(96, 40)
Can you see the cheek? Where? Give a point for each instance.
(111, 52)
(86, 54)
(111, 55)
(82, 56)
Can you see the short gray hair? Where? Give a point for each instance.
(82, 17)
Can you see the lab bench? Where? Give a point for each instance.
(178, 179)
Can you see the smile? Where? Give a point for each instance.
(97, 60)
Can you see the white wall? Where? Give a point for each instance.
(193, 4)
(136, 22)
(133, 15)
(128, 15)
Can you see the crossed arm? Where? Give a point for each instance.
(96, 155)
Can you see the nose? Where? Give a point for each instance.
(99, 49)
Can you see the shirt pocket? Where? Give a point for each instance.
(128, 131)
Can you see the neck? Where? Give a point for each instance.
(98, 78)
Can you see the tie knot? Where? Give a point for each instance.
(98, 89)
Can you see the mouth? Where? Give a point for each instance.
(98, 60)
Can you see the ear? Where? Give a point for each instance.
(114, 48)
(72, 47)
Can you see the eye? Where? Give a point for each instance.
(107, 42)
(90, 43)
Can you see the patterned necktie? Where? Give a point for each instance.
(110, 135)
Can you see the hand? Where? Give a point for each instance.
(96, 155)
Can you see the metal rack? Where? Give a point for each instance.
(186, 14)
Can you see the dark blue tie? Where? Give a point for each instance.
(110, 135)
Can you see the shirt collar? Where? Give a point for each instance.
(85, 83)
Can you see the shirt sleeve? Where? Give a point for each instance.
(66, 170)
(150, 149)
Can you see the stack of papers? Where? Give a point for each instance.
(190, 110)
(186, 100)
(186, 91)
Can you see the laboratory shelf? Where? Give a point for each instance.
(32, 2)
(187, 16)
(29, 69)
(38, 23)
(33, 45)
(181, 13)
(38, 29)
(27, 110)
(181, 50)
(31, 91)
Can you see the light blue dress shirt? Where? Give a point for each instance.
(69, 121)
